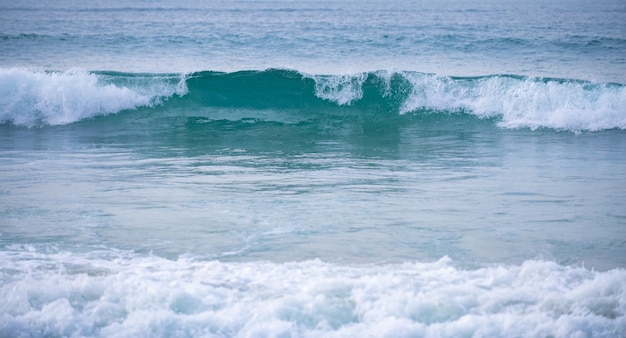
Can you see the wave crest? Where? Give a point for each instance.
(30, 98)
(523, 102)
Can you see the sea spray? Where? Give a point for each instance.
(342, 89)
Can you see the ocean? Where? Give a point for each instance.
(328, 168)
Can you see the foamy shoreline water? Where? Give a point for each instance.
(84, 295)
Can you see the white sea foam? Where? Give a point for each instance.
(29, 98)
(523, 102)
(124, 295)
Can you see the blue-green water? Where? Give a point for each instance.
(312, 169)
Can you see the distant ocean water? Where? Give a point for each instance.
(312, 169)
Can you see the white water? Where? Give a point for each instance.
(29, 98)
(117, 294)
(524, 103)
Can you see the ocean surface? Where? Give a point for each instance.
(313, 168)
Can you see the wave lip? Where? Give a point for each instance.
(523, 102)
(31, 98)
(342, 89)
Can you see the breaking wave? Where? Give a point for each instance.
(34, 98)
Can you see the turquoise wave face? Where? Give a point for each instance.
(291, 97)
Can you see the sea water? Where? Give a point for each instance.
(312, 168)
